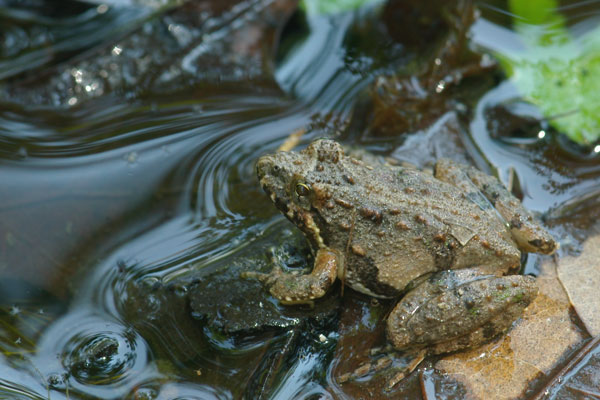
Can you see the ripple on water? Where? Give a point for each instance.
(140, 191)
(189, 195)
(97, 356)
(181, 390)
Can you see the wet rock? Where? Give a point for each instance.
(231, 304)
(216, 299)
(210, 42)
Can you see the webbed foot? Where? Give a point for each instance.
(301, 289)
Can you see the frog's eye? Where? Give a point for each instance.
(302, 189)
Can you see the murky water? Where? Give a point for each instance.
(118, 197)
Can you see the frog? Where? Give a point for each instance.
(447, 244)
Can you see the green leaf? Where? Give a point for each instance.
(536, 12)
(555, 71)
(313, 7)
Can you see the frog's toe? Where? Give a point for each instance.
(404, 372)
(386, 363)
(259, 276)
(251, 275)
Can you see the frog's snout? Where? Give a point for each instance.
(263, 165)
(265, 171)
(273, 177)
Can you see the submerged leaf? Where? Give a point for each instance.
(579, 378)
(580, 277)
(556, 71)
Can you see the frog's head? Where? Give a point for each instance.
(292, 181)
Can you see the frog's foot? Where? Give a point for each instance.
(301, 289)
(410, 367)
(529, 235)
(454, 310)
(397, 374)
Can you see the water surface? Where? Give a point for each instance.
(125, 179)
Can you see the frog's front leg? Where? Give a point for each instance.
(302, 289)
(529, 235)
(453, 310)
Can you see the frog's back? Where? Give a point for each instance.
(405, 224)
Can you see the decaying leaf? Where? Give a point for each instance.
(579, 378)
(580, 276)
(504, 368)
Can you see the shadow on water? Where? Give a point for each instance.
(129, 202)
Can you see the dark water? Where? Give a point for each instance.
(114, 192)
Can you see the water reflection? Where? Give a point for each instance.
(166, 188)
(541, 167)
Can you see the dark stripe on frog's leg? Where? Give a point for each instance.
(368, 275)
(484, 334)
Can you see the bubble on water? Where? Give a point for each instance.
(131, 157)
(22, 152)
(440, 86)
(541, 134)
(77, 74)
(100, 357)
(57, 381)
(102, 8)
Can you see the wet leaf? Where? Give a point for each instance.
(580, 277)
(579, 378)
(193, 43)
(555, 71)
(505, 368)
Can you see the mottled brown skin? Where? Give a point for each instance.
(386, 231)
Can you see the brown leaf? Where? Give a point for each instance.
(580, 276)
(504, 368)
(579, 378)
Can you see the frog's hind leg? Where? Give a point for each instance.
(457, 309)
(529, 235)
(449, 311)
(301, 289)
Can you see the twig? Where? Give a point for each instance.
(560, 375)
(292, 140)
